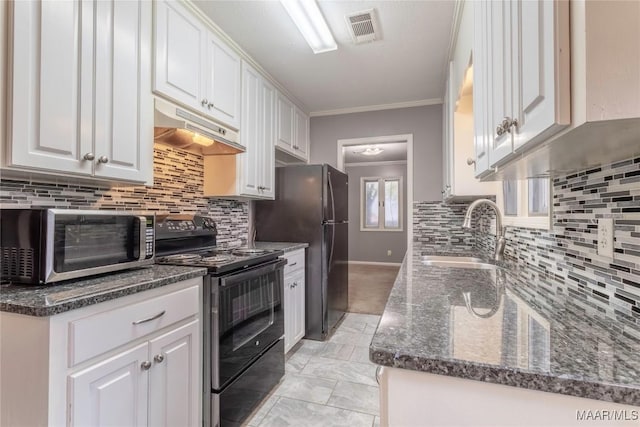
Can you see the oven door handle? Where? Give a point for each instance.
(234, 278)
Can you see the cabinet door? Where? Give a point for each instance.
(301, 142)
(289, 312)
(285, 124)
(123, 103)
(223, 82)
(180, 55)
(500, 82)
(448, 108)
(251, 132)
(51, 85)
(111, 393)
(299, 314)
(536, 63)
(481, 107)
(175, 388)
(267, 159)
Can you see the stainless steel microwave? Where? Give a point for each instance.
(41, 246)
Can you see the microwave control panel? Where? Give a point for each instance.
(149, 237)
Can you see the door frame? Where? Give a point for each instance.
(406, 138)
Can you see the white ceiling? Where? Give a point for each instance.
(393, 152)
(407, 65)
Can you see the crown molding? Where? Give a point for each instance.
(380, 163)
(378, 107)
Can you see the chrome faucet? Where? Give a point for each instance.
(500, 241)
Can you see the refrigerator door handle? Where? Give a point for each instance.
(333, 241)
(333, 203)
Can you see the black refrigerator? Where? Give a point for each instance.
(311, 206)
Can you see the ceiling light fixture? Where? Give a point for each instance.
(309, 20)
(370, 151)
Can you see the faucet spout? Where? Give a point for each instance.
(500, 240)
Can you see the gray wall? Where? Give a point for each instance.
(425, 123)
(372, 246)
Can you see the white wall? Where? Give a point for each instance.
(372, 246)
(425, 123)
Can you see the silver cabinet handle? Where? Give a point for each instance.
(89, 156)
(103, 159)
(470, 161)
(204, 102)
(506, 123)
(159, 358)
(209, 105)
(291, 265)
(146, 365)
(149, 319)
(378, 372)
(500, 130)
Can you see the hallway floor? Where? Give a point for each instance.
(369, 287)
(328, 383)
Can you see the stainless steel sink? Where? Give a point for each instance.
(457, 262)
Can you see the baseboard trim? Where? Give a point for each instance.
(388, 264)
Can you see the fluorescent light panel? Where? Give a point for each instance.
(309, 20)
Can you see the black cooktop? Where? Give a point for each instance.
(220, 261)
(190, 240)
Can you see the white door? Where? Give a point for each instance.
(299, 314)
(174, 384)
(111, 393)
(123, 106)
(301, 142)
(267, 159)
(223, 82)
(180, 55)
(52, 77)
(534, 41)
(481, 96)
(500, 72)
(251, 132)
(285, 124)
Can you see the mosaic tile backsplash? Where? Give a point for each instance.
(178, 181)
(568, 253)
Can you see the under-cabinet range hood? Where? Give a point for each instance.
(179, 128)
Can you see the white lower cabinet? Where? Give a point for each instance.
(294, 298)
(55, 373)
(412, 398)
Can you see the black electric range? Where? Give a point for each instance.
(242, 315)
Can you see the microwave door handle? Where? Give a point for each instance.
(143, 237)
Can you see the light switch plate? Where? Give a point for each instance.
(605, 237)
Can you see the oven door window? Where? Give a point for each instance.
(250, 319)
(93, 241)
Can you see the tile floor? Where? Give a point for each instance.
(328, 383)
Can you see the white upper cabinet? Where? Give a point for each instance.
(223, 82)
(519, 53)
(80, 100)
(180, 65)
(301, 144)
(194, 67)
(250, 174)
(285, 124)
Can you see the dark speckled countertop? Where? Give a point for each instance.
(281, 246)
(70, 295)
(507, 326)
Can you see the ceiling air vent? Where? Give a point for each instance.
(363, 26)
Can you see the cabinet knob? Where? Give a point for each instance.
(89, 156)
(500, 130)
(146, 365)
(209, 105)
(470, 161)
(103, 159)
(506, 123)
(204, 102)
(159, 358)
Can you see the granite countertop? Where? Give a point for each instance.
(281, 246)
(508, 326)
(70, 295)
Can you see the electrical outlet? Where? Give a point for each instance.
(389, 252)
(605, 237)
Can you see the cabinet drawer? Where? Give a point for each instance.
(101, 332)
(295, 261)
